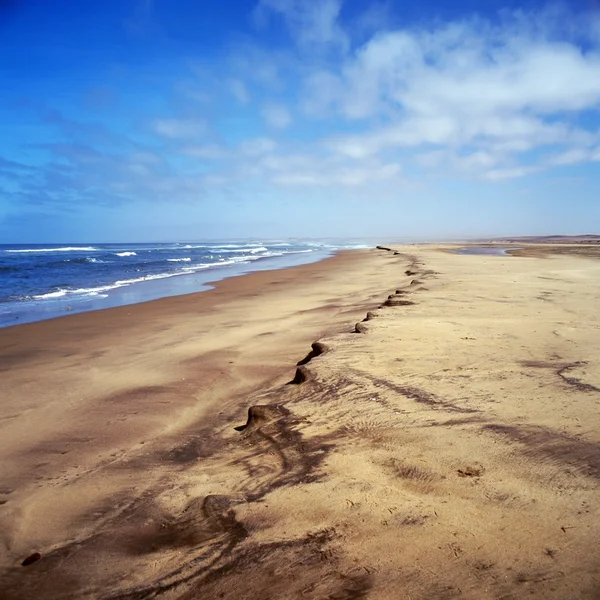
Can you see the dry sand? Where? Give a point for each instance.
(446, 447)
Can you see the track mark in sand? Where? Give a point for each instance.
(573, 381)
(274, 567)
(537, 577)
(549, 446)
(365, 425)
(417, 394)
(195, 447)
(411, 472)
(190, 545)
(203, 520)
(270, 430)
(273, 431)
(140, 394)
(561, 369)
(210, 531)
(476, 420)
(205, 533)
(412, 477)
(202, 540)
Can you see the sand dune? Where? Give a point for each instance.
(439, 439)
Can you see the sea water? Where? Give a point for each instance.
(484, 250)
(41, 281)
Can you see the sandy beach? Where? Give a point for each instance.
(439, 439)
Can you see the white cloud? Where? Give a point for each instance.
(496, 90)
(310, 169)
(210, 151)
(347, 176)
(179, 128)
(239, 91)
(486, 100)
(575, 155)
(458, 71)
(477, 160)
(472, 99)
(277, 116)
(569, 157)
(322, 93)
(257, 146)
(257, 69)
(312, 24)
(510, 173)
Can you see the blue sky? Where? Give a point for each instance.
(161, 120)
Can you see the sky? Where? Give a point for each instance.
(171, 120)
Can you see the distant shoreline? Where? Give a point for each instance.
(152, 287)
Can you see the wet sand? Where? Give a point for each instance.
(441, 440)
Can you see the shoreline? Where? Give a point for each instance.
(204, 280)
(152, 289)
(172, 452)
(220, 287)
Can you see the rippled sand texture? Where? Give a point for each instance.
(441, 439)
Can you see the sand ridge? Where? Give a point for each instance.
(443, 444)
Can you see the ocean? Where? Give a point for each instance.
(49, 280)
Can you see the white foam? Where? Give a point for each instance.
(118, 284)
(65, 249)
(103, 288)
(183, 271)
(242, 246)
(56, 294)
(221, 247)
(320, 245)
(188, 259)
(125, 254)
(252, 250)
(78, 292)
(198, 267)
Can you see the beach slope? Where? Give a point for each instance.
(440, 438)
